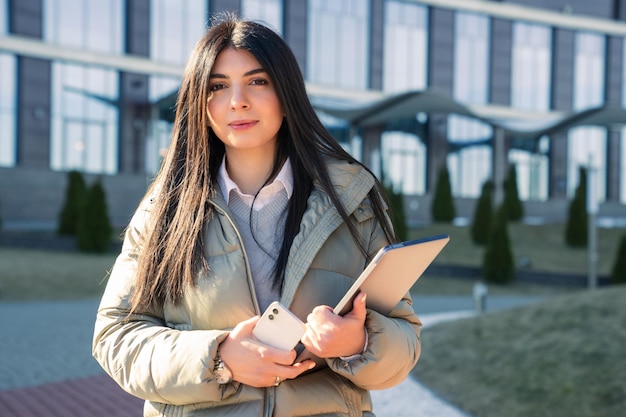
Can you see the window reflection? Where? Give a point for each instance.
(469, 162)
(84, 119)
(404, 157)
(406, 47)
(84, 125)
(7, 110)
(4, 16)
(269, 12)
(530, 90)
(93, 25)
(587, 145)
(175, 27)
(405, 58)
(531, 69)
(337, 43)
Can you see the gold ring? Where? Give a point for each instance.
(277, 381)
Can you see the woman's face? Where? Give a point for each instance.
(243, 107)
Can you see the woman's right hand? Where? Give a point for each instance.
(256, 364)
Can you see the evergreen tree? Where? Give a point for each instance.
(94, 229)
(481, 225)
(514, 207)
(576, 230)
(498, 263)
(398, 217)
(73, 205)
(442, 209)
(618, 274)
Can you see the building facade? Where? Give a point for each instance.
(87, 85)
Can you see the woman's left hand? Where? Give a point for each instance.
(329, 335)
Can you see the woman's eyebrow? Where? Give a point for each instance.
(246, 74)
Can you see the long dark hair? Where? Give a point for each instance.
(173, 252)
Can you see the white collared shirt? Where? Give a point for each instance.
(284, 180)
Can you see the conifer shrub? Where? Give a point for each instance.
(442, 208)
(398, 217)
(481, 224)
(576, 228)
(94, 229)
(498, 264)
(73, 204)
(514, 207)
(618, 274)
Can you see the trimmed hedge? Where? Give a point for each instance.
(576, 229)
(442, 209)
(618, 274)
(498, 264)
(514, 207)
(75, 193)
(94, 229)
(481, 224)
(398, 217)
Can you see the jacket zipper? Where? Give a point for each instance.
(224, 213)
(269, 392)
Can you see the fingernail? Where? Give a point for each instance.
(311, 366)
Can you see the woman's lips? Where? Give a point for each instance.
(242, 124)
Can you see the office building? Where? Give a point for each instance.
(89, 85)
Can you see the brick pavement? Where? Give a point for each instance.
(94, 396)
(46, 368)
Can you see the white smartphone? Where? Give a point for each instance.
(278, 327)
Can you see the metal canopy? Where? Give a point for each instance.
(408, 104)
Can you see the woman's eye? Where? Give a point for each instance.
(259, 81)
(216, 87)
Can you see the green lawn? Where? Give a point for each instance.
(562, 357)
(542, 245)
(51, 275)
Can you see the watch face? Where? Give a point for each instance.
(222, 374)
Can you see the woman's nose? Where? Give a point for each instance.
(239, 99)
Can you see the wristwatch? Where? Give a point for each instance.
(221, 372)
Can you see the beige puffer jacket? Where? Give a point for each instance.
(166, 356)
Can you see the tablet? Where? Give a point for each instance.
(392, 273)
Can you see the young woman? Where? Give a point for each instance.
(255, 202)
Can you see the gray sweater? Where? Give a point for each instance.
(267, 225)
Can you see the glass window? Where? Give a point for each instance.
(587, 145)
(93, 25)
(532, 169)
(163, 92)
(404, 157)
(7, 110)
(531, 69)
(4, 16)
(84, 119)
(268, 12)
(470, 162)
(338, 43)
(175, 27)
(406, 46)
(405, 58)
(530, 90)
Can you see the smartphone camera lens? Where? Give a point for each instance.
(271, 317)
(275, 311)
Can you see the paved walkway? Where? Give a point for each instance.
(46, 368)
